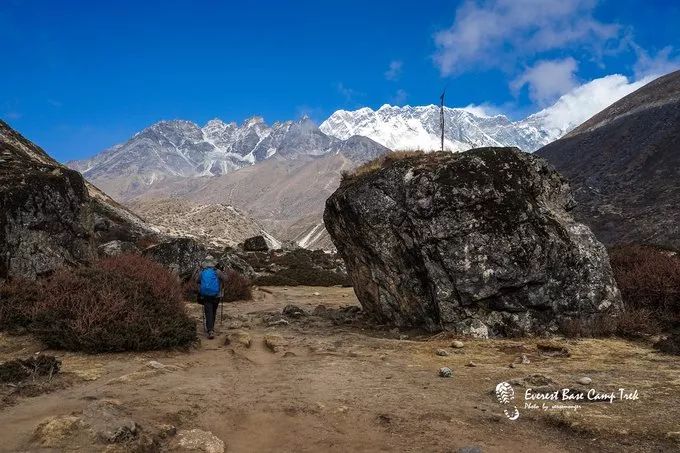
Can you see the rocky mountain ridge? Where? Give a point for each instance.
(624, 166)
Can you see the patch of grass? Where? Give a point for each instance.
(378, 163)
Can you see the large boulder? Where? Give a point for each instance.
(181, 255)
(479, 242)
(255, 244)
(46, 218)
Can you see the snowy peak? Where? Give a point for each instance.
(418, 127)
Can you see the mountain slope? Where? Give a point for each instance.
(218, 224)
(624, 166)
(181, 149)
(51, 215)
(286, 196)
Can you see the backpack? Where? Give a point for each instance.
(210, 282)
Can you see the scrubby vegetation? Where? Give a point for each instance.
(379, 162)
(239, 287)
(123, 303)
(298, 267)
(649, 280)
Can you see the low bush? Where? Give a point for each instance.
(123, 303)
(649, 280)
(303, 276)
(237, 288)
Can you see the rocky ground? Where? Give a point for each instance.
(322, 379)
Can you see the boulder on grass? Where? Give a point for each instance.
(479, 242)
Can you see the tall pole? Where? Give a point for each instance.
(441, 115)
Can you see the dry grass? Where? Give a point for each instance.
(379, 162)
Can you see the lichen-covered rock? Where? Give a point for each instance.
(182, 255)
(46, 219)
(115, 248)
(478, 242)
(255, 244)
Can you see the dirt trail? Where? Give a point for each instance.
(350, 387)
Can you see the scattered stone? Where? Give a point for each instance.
(289, 354)
(513, 365)
(155, 365)
(585, 380)
(238, 338)
(445, 372)
(293, 311)
(108, 421)
(525, 359)
(199, 440)
(343, 409)
(471, 364)
(442, 352)
(166, 430)
(457, 344)
(52, 432)
(316, 293)
(274, 342)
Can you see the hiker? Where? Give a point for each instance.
(210, 281)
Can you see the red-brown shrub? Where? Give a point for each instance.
(649, 280)
(118, 304)
(238, 287)
(18, 302)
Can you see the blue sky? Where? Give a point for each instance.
(79, 76)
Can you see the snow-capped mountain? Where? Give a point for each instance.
(181, 149)
(408, 128)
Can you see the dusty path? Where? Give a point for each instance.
(348, 387)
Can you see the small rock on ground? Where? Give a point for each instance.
(445, 372)
(585, 380)
(293, 311)
(274, 342)
(199, 440)
(238, 338)
(457, 344)
(441, 352)
(471, 364)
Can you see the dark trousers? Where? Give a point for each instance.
(210, 304)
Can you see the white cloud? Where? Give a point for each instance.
(496, 33)
(547, 80)
(586, 100)
(394, 70)
(349, 94)
(663, 62)
(482, 110)
(399, 97)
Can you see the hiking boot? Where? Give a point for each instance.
(211, 334)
